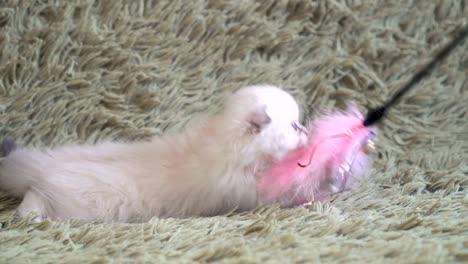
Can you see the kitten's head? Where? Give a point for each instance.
(265, 119)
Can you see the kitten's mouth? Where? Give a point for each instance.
(303, 130)
(303, 139)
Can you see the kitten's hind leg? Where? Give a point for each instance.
(32, 203)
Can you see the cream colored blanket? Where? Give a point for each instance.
(83, 71)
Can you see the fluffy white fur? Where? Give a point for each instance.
(209, 168)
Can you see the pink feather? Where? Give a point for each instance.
(333, 150)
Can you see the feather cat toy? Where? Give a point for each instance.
(336, 151)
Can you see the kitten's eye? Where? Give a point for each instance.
(299, 128)
(295, 126)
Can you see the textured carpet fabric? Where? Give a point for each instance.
(84, 71)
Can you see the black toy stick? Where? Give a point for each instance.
(377, 114)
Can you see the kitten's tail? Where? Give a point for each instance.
(8, 146)
(15, 172)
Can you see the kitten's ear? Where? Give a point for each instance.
(258, 119)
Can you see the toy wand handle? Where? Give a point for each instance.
(377, 114)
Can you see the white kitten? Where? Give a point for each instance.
(210, 168)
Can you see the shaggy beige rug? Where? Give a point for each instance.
(83, 71)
